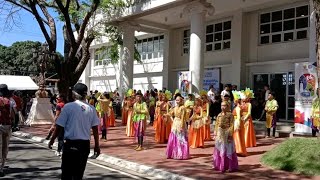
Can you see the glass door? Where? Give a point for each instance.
(284, 87)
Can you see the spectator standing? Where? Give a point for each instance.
(76, 120)
(6, 117)
(19, 104)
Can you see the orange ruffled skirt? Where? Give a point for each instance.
(162, 127)
(130, 126)
(111, 120)
(196, 137)
(249, 134)
(206, 131)
(124, 116)
(238, 137)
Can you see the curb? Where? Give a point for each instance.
(121, 163)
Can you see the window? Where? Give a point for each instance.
(101, 57)
(218, 36)
(150, 47)
(284, 25)
(186, 41)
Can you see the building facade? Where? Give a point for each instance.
(249, 43)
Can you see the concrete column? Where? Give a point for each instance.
(312, 35)
(197, 12)
(165, 70)
(126, 58)
(237, 48)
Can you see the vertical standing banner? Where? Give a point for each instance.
(306, 83)
(184, 82)
(211, 77)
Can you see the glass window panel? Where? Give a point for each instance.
(302, 11)
(226, 35)
(290, 114)
(264, 40)
(302, 23)
(289, 13)
(288, 36)
(217, 36)
(144, 56)
(155, 55)
(227, 25)
(277, 16)
(209, 47)
(209, 28)
(161, 46)
(264, 29)
(156, 45)
(144, 47)
(150, 46)
(264, 18)
(139, 41)
(149, 55)
(288, 25)
(156, 38)
(209, 38)
(185, 42)
(96, 57)
(217, 46)
(226, 45)
(162, 37)
(276, 27)
(302, 34)
(276, 38)
(185, 50)
(218, 27)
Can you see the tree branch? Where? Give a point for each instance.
(85, 56)
(40, 22)
(86, 19)
(52, 25)
(25, 8)
(66, 16)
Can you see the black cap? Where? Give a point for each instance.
(4, 91)
(81, 89)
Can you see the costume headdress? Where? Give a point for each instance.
(203, 93)
(177, 91)
(168, 95)
(129, 92)
(248, 93)
(236, 95)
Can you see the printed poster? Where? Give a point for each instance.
(211, 77)
(306, 83)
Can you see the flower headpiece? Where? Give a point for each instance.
(203, 93)
(168, 95)
(248, 93)
(129, 92)
(236, 95)
(177, 91)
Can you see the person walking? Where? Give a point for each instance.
(76, 120)
(6, 118)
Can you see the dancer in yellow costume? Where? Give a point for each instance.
(205, 114)
(271, 118)
(315, 114)
(131, 101)
(246, 107)
(189, 103)
(238, 134)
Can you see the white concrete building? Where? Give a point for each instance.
(248, 42)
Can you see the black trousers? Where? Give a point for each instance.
(74, 159)
(60, 141)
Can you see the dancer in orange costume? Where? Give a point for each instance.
(249, 133)
(168, 97)
(238, 134)
(112, 121)
(196, 131)
(125, 109)
(162, 109)
(205, 114)
(130, 126)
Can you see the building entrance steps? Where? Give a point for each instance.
(119, 151)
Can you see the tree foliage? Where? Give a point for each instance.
(18, 59)
(81, 27)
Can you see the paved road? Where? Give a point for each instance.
(33, 161)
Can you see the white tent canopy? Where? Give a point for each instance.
(18, 82)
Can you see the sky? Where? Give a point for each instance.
(25, 29)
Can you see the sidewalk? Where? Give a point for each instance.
(198, 167)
